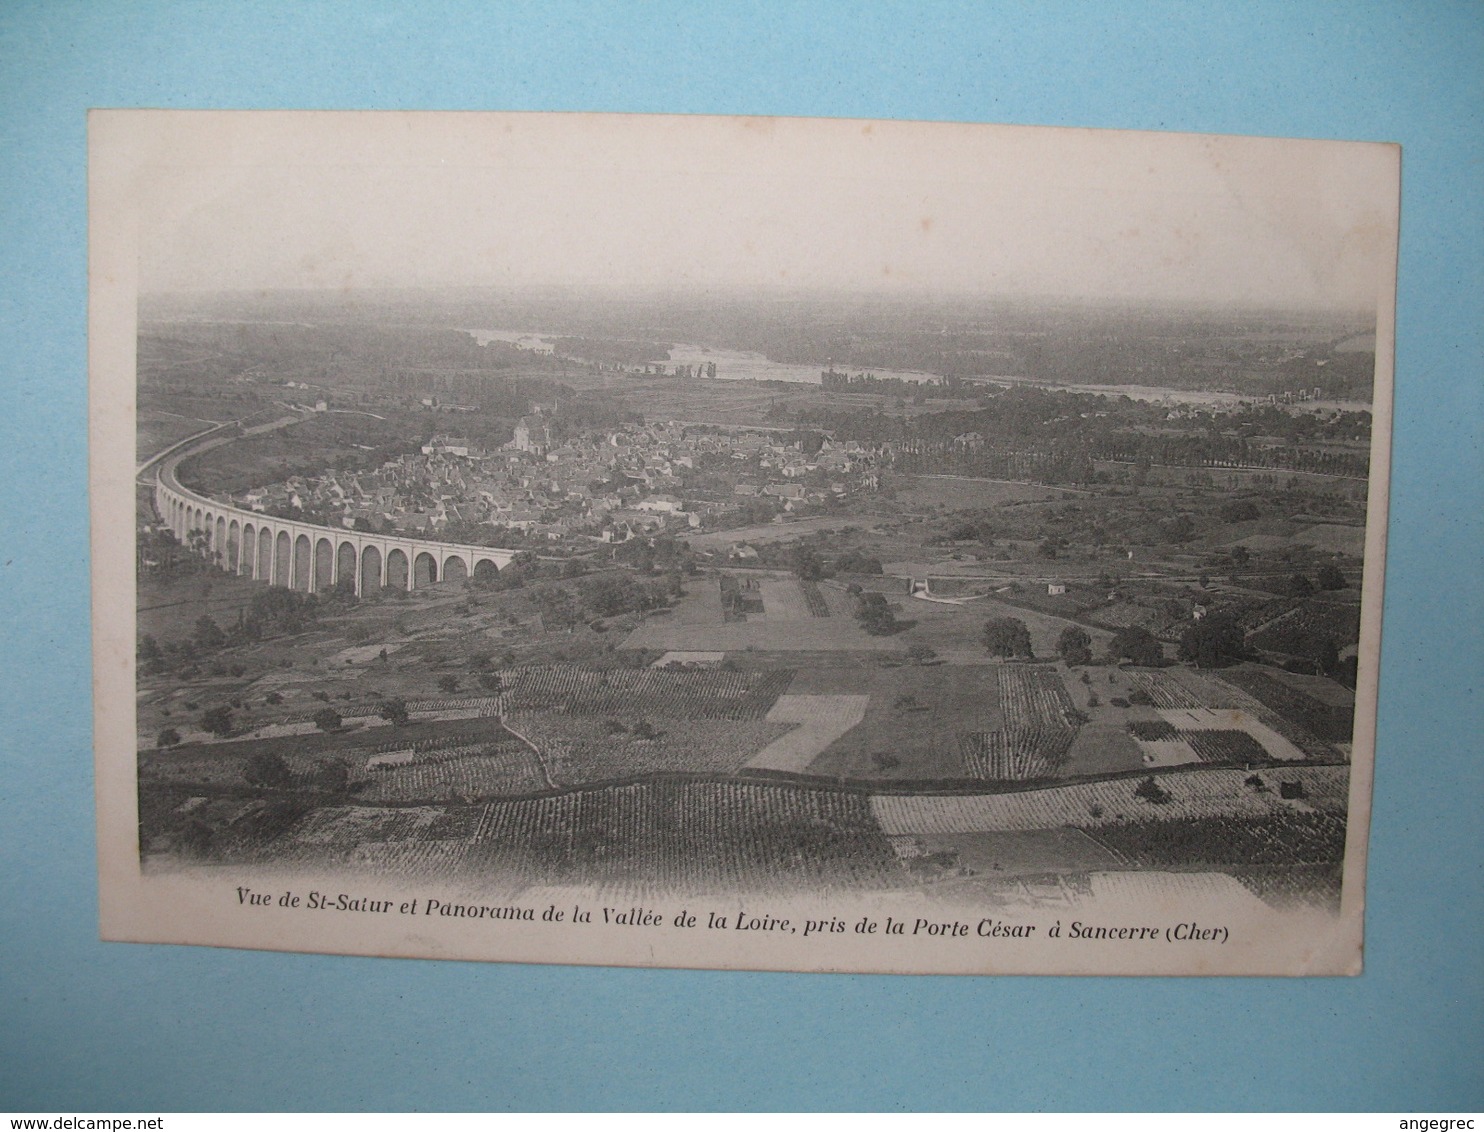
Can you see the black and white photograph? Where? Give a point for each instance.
(791, 544)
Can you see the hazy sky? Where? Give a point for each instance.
(268, 200)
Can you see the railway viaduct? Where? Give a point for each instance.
(306, 557)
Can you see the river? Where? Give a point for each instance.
(743, 365)
(731, 365)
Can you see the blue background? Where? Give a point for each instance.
(87, 1025)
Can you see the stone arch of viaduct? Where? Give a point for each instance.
(311, 558)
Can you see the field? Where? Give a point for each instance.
(784, 600)
(169, 606)
(694, 837)
(158, 430)
(927, 493)
(417, 764)
(663, 692)
(462, 773)
(912, 724)
(697, 836)
(1333, 538)
(1216, 746)
(1025, 853)
(728, 402)
(1316, 619)
(1307, 718)
(789, 625)
(664, 836)
(1195, 794)
(1286, 839)
(1103, 746)
(1039, 724)
(814, 723)
(1196, 701)
(581, 749)
(766, 532)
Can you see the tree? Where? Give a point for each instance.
(278, 610)
(1330, 577)
(609, 595)
(1240, 511)
(393, 711)
(218, 720)
(149, 650)
(1074, 645)
(1007, 636)
(267, 768)
(1327, 657)
(1179, 528)
(875, 615)
(332, 777)
(1138, 645)
(449, 683)
(857, 562)
(1240, 556)
(560, 608)
(1151, 791)
(806, 564)
(1213, 642)
(920, 653)
(168, 738)
(1300, 586)
(208, 634)
(327, 719)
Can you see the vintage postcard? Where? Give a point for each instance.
(738, 543)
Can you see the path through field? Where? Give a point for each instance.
(821, 720)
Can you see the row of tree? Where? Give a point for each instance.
(1215, 641)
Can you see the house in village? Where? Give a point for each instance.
(533, 435)
(447, 446)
